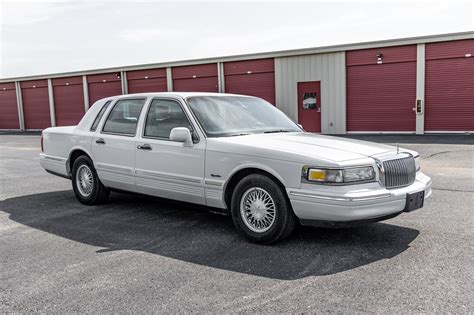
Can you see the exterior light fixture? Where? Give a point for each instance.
(379, 58)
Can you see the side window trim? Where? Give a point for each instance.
(99, 116)
(197, 140)
(112, 109)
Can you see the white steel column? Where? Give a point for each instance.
(220, 77)
(123, 80)
(169, 79)
(85, 90)
(420, 87)
(19, 103)
(52, 112)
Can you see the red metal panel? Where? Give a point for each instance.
(196, 85)
(150, 73)
(8, 107)
(449, 87)
(197, 78)
(149, 80)
(259, 84)
(381, 97)
(452, 49)
(67, 81)
(103, 85)
(389, 55)
(254, 66)
(35, 104)
(206, 70)
(68, 100)
(251, 77)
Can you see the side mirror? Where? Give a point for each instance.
(181, 134)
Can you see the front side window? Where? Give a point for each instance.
(99, 116)
(163, 116)
(123, 118)
(222, 116)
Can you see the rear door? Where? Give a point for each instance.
(113, 148)
(166, 168)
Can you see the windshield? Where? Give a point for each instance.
(237, 115)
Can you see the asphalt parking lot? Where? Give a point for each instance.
(141, 254)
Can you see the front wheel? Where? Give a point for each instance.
(261, 211)
(85, 182)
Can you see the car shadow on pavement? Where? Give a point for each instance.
(190, 233)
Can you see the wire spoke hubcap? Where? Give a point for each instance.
(257, 209)
(84, 180)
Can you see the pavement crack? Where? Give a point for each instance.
(454, 190)
(445, 152)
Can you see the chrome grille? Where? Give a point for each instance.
(399, 172)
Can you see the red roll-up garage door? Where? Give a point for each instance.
(251, 77)
(35, 104)
(149, 80)
(449, 86)
(381, 89)
(103, 85)
(68, 100)
(198, 78)
(8, 107)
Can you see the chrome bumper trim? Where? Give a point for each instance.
(52, 158)
(334, 198)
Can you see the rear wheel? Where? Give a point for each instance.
(261, 211)
(86, 184)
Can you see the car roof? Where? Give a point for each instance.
(181, 94)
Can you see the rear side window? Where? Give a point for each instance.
(99, 116)
(123, 118)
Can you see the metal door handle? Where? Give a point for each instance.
(100, 141)
(144, 147)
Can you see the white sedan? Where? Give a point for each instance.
(236, 153)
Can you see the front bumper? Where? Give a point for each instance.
(353, 203)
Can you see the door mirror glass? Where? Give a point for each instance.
(181, 134)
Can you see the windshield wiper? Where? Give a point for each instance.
(238, 134)
(276, 131)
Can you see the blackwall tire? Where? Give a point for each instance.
(86, 184)
(261, 211)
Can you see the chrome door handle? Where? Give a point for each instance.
(144, 147)
(100, 141)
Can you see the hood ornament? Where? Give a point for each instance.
(398, 148)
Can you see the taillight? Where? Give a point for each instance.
(42, 150)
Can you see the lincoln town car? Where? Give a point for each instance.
(239, 154)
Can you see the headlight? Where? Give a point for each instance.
(338, 176)
(417, 163)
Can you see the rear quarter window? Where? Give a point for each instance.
(99, 116)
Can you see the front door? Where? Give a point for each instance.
(113, 148)
(309, 105)
(166, 168)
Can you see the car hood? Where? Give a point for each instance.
(306, 144)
